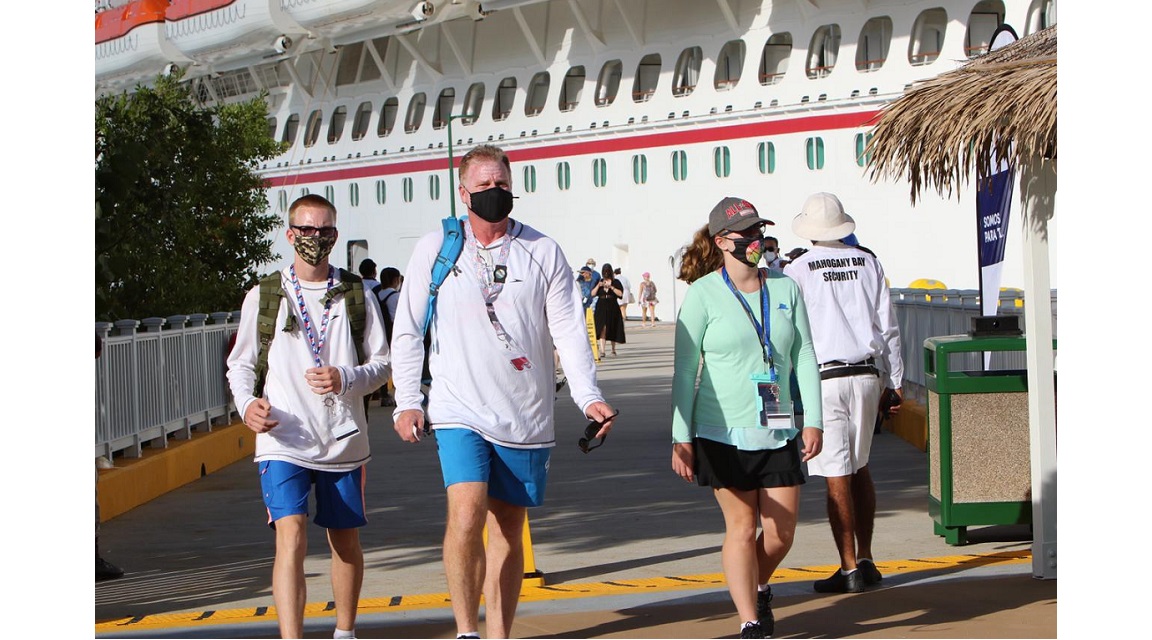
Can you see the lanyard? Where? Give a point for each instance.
(317, 345)
(762, 331)
(490, 285)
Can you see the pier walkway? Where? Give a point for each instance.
(626, 548)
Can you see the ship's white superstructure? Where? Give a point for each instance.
(626, 120)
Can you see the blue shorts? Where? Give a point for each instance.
(516, 476)
(339, 494)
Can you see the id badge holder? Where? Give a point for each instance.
(771, 413)
(341, 423)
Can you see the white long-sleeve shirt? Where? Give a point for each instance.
(305, 433)
(849, 307)
(474, 385)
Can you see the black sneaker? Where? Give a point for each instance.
(764, 612)
(106, 570)
(840, 583)
(753, 630)
(871, 573)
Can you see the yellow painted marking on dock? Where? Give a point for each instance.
(553, 592)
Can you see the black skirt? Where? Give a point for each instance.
(721, 466)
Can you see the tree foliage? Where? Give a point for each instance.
(180, 211)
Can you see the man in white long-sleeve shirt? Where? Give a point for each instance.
(510, 298)
(857, 343)
(309, 417)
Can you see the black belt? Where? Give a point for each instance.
(841, 363)
(849, 370)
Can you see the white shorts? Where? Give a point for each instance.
(850, 405)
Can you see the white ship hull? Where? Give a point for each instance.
(587, 157)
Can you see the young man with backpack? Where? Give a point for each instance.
(308, 347)
(504, 297)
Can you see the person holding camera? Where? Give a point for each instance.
(733, 427)
(608, 317)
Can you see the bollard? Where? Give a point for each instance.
(590, 323)
(533, 577)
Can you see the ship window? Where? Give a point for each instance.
(272, 128)
(927, 36)
(1041, 15)
(304, 191)
(336, 126)
(729, 65)
(283, 200)
(647, 76)
(433, 187)
(814, 148)
(381, 192)
(571, 88)
(774, 60)
(766, 155)
(640, 169)
(330, 193)
(537, 93)
(872, 47)
(687, 74)
(443, 109)
(679, 166)
(563, 176)
(823, 51)
(354, 194)
(505, 96)
(530, 179)
(985, 18)
(387, 117)
(363, 117)
(415, 112)
(609, 83)
(600, 172)
(472, 101)
(722, 161)
(312, 131)
(863, 153)
(406, 188)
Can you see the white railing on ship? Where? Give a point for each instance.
(160, 378)
(925, 313)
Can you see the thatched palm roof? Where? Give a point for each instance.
(942, 128)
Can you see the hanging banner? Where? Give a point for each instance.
(993, 203)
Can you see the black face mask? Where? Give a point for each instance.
(748, 250)
(492, 205)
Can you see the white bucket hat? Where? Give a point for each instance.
(823, 218)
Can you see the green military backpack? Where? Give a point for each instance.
(272, 292)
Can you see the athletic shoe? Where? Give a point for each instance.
(753, 630)
(106, 570)
(840, 583)
(871, 573)
(764, 612)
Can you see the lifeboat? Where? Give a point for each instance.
(222, 35)
(132, 45)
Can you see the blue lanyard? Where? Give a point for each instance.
(762, 331)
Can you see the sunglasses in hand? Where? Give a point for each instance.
(590, 433)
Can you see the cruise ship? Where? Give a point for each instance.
(625, 120)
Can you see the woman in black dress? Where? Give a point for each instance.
(609, 321)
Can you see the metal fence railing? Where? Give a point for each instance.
(924, 313)
(159, 378)
(162, 378)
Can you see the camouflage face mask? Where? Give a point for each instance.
(314, 249)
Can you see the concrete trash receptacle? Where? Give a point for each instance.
(979, 461)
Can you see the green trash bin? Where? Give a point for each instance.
(979, 460)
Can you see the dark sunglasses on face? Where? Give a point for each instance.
(308, 232)
(590, 433)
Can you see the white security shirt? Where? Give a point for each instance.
(849, 307)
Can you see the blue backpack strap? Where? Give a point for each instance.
(450, 250)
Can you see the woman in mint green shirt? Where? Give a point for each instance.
(733, 427)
